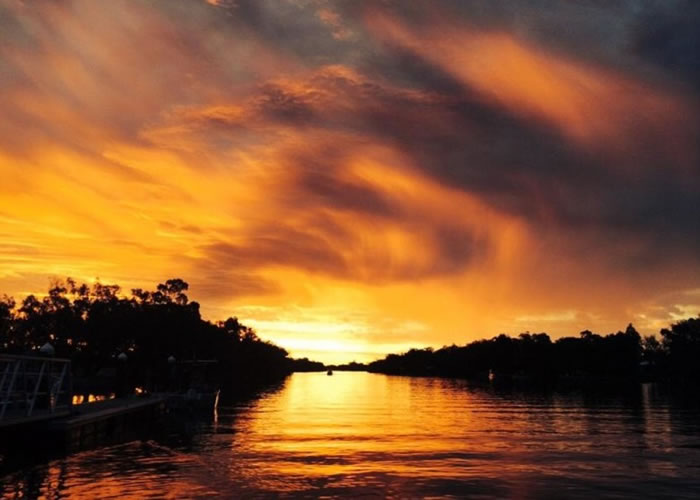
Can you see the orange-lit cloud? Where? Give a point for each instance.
(591, 105)
(351, 184)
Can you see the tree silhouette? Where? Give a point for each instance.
(682, 342)
(91, 325)
(587, 358)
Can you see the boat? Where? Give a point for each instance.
(329, 372)
(201, 399)
(197, 388)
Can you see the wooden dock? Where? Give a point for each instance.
(107, 422)
(36, 406)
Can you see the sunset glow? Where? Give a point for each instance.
(354, 178)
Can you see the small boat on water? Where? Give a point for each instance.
(205, 399)
(198, 390)
(329, 372)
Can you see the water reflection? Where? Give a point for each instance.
(373, 435)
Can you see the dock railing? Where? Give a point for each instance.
(33, 388)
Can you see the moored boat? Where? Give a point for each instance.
(198, 390)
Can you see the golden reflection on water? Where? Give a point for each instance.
(364, 430)
(359, 434)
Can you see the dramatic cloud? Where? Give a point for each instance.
(358, 177)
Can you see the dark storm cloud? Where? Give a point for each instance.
(522, 166)
(291, 26)
(648, 190)
(670, 38)
(323, 190)
(318, 247)
(645, 189)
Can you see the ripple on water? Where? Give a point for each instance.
(372, 435)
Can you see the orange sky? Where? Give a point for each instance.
(357, 178)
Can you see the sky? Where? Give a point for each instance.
(351, 177)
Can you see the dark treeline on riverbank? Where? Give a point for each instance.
(353, 366)
(92, 325)
(305, 365)
(535, 358)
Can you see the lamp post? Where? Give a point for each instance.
(122, 358)
(47, 351)
(171, 370)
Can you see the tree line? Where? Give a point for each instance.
(93, 324)
(590, 357)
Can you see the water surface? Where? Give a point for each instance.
(359, 434)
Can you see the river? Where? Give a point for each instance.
(360, 434)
